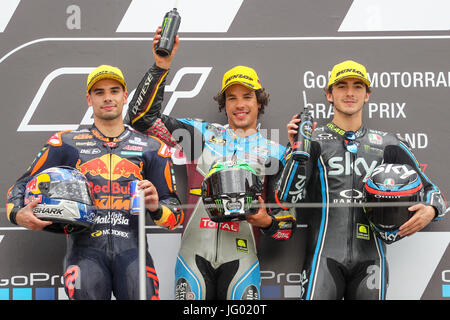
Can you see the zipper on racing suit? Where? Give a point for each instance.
(352, 209)
(236, 141)
(217, 241)
(110, 240)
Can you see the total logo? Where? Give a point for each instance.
(206, 223)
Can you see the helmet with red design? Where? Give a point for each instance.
(389, 191)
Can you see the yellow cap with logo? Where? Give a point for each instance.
(105, 72)
(348, 69)
(241, 75)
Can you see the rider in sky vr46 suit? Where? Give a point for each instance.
(344, 258)
(217, 260)
(104, 260)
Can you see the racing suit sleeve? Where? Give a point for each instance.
(296, 176)
(158, 169)
(402, 154)
(144, 114)
(54, 153)
(283, 220)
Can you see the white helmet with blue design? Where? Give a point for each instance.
(65, 197)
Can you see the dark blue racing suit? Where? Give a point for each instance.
(344, 258)
(216, 260)
(105, 259)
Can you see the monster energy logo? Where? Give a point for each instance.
(307, 144)
(219, 204)
(167, 22)
(248, 202)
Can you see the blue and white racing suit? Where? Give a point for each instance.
(216, 260)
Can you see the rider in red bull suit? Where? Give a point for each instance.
(110, 154)
(218, 260)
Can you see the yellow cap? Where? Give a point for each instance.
(241, 75)
(348, 69)
(105, 72)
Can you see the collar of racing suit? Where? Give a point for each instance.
(99, 135)
(233, 134)
(333, 127)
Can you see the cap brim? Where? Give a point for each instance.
(106, 76)
(351, 76)
(245, 84)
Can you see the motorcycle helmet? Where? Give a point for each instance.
(65, 197)
(389, 191)
(230, 191)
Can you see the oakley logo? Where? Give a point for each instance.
(351, 194)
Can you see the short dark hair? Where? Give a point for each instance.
(262, 96)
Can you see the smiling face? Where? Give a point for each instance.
(107, 98)
(242, 107)
(348, 97)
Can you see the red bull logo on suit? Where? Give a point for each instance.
(111, 166)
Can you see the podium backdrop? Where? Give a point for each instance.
(48, 47)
